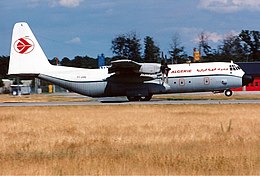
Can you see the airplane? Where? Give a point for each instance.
(136, 81)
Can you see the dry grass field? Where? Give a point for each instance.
(130, 139)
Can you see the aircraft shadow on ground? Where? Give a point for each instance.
(114, 101)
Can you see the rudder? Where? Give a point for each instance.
(26, 56)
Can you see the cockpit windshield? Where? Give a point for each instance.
(234, 67)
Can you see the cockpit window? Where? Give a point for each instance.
(234, 67)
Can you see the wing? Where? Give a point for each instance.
(124, 66)
(127, 71)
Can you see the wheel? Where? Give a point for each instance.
(146, 98)
(133, 98)
(138, 98)
(228, 92)
(14, 93)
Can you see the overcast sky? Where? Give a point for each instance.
(66, 28)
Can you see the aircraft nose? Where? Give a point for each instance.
(247, 79)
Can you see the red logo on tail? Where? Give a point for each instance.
(23, 45)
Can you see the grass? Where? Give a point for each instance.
(130, 139)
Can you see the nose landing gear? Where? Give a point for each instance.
(228, 92)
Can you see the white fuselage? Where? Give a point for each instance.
(194, 77)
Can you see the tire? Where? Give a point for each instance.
(147, 98)
(138, 98)
(133, 98)
(228, 92)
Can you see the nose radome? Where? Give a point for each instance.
(247, 79)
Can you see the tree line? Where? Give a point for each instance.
(244, 47)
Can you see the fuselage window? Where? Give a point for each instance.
(182, 82)
(206, 81)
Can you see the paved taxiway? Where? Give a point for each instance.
(124, 101)
(121, 101)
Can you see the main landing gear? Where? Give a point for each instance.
(139, 98)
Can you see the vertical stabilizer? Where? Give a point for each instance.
(26, 55)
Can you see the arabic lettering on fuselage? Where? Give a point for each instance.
(212, 69)
(200, 70)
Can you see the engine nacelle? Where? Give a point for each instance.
(150, 68)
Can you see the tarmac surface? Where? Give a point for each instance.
(123, 101)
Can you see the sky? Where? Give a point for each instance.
(69, 28)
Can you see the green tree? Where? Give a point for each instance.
(54, 61)
(177, 51)
(127, 46)
(119, 46)
(65, 62)
(151, 51)
(84, 62)
(232, 49)
(203, 44)
(80, 61)
(251, 41)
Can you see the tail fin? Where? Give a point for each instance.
(26, 55)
